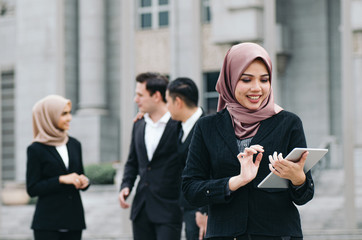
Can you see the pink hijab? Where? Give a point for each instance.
(46, 114)
(246, 122)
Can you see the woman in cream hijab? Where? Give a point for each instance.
(232, 151)
(55, 172)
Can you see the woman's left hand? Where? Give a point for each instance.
(84, 181)
(288, 169)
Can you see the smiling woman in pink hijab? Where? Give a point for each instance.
(234, 150)
(55, 172)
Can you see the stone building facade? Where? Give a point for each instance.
(91, 50)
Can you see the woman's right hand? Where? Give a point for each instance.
(79, 181)
(248, 168)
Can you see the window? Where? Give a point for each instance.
(7, 124)
(153, 14)
(211, 96)
(205, 11)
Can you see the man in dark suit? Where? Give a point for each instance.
(155, 214)
(182, 98)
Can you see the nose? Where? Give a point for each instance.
(135, 99)
(255, 86)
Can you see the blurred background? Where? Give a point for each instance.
(91, 50)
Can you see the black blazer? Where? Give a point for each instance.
(183, 150)
(251, 210)
(159, 186)
(59, 206)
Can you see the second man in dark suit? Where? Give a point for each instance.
(182, 98)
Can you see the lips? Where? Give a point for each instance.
(254, 98)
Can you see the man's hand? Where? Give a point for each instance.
(201, 222)
(123, 196)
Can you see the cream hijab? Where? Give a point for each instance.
(46, 114)
(246, 122)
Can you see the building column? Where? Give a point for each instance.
(186, 50)
(127, 86)
(270, 42)
(348, 115)
(91, 113)
(92, 94)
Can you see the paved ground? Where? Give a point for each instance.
(322, 218)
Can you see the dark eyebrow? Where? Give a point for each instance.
(251, 75)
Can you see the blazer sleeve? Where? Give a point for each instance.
(198, 187)
(36, 183)
(81, 167)
(300, 195)
(131, 167)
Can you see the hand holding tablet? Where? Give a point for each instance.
(315, 154)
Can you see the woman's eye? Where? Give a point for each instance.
(245, 80)
(265, 80)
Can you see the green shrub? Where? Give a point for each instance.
(33, 200)
(102, 173)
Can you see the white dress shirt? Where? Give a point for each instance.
(63, 152)
(189, 124)
(153, 132)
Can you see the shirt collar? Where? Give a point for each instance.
(163, 120)
(187, 126)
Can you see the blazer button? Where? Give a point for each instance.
(146, 184)
(149, 168)
(207, 191)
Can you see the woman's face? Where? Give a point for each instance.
(65, 117)
(254, 85)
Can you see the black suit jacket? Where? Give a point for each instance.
(183, 150)
(213, 151)
(59, 206)
(159, 186)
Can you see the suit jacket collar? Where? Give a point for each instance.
(170, 124)
(57, 156)
(188, 138)
(225, 127)
(226, 130)
(142, 139)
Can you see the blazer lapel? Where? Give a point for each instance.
(265, 128)
(57, 157)
(141, 137)
(226, 130)
(164, 136)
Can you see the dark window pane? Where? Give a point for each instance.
(207, 14)
(146, 3)
(211, 105)
(162, 2)
(163, 19)
(211, 79)
(146, 20)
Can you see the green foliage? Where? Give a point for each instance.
(33, 200)
(102, 173)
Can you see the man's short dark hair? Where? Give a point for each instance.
(154, 82)
(185, 89)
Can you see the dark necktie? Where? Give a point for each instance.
(180, 135)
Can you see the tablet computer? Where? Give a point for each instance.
(315, 154)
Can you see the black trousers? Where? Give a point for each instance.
(57, 235)
(144, 229)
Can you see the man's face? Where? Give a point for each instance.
(172, 107)
(145, 102)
